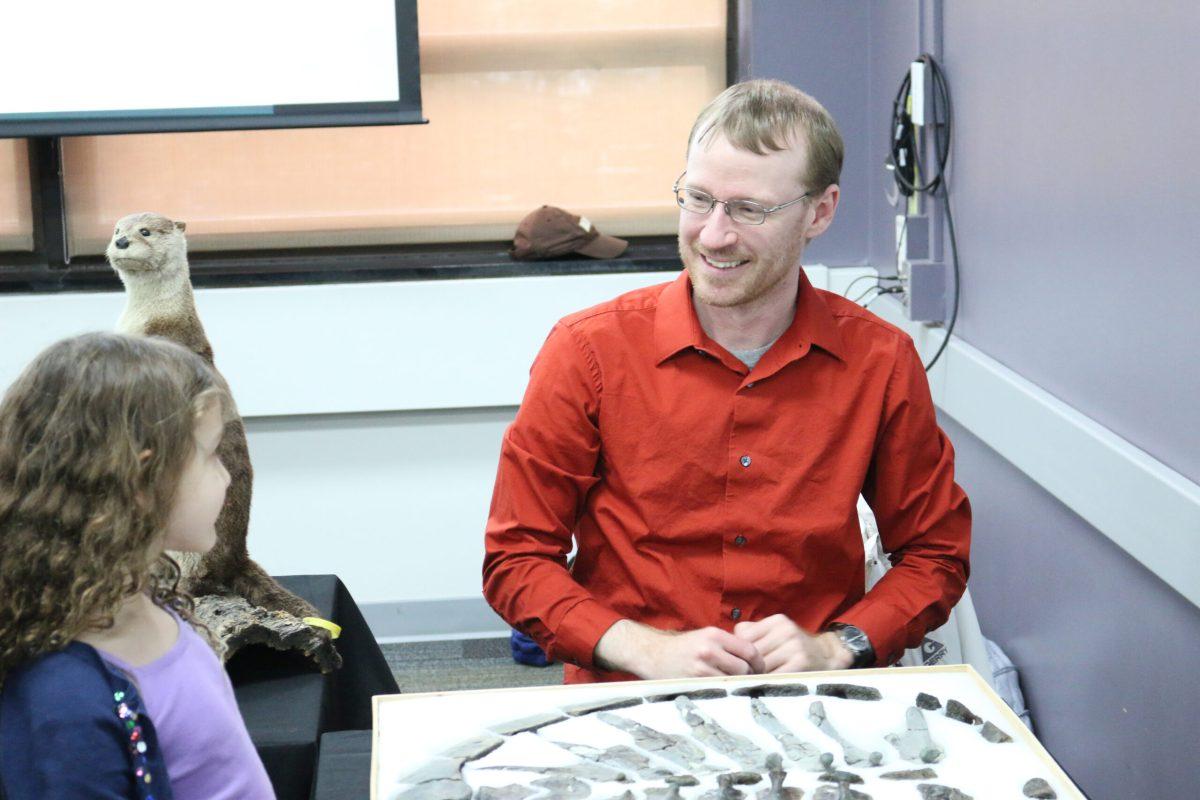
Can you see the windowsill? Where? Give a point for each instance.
(20, 275)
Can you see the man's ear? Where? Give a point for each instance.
(181, 226)
(824, 207)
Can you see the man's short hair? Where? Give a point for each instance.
(763, 115)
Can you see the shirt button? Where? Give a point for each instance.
(750, 385)
(740, 540)
(735, 614)
(745, 461)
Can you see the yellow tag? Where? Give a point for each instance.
(334, 629)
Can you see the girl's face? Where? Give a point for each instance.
(191, 525)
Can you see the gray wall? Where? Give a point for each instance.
(1073, 180)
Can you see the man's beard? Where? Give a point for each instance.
(758, 278)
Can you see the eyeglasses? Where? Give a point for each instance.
(746, 212)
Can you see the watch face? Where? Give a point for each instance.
(857, 643)
(855, 639)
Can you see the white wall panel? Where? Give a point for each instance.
(342, 348)
(393, 503)
(374, 411)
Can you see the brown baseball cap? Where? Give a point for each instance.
(550, 232)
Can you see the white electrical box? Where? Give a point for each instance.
(916, 90)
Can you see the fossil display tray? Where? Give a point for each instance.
(719, 742)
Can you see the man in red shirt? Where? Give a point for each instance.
(704, 443)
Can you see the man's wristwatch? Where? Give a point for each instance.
(857, 643)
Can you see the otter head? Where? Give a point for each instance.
(147, 244)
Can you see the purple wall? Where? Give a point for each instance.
(1074, 175)
(1108, 653)
(895, 41)
(1076, 183)
(820, 48)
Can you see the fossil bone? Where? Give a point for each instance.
(528, 723)
(510, 792)
(956, 710)
(776, 773)
(807, 755)
(1038, 788)
(694, 694)
(579, 709)
(928, 702)
(923, 774)
(562, 786)
(619, 757)
(849, 691)
(772, 690)
(915, 743)
(994, 734)
(584, 771)
(935, 791)
(679, 749)
(705, 729)
(852, 753)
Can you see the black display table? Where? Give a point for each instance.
(288, 705)
(344, 766)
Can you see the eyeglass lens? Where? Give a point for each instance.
(699, 202)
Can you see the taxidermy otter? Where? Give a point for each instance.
(238, 601)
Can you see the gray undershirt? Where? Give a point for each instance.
(751, 357)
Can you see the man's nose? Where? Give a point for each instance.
(719, 231)
(122, 243)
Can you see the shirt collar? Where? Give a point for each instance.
(676, 326)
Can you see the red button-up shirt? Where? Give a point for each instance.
(702, 493)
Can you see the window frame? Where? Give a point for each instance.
(48, 269)
(405, 110)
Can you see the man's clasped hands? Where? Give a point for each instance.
(773, 644)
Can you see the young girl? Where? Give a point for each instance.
(107, 459)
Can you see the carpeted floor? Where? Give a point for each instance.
(463, 664)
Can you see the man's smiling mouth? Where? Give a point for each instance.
(723, 264)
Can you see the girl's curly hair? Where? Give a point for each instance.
(94, 436)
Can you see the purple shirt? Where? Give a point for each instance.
(208, 752)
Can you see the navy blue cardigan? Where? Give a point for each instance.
(72, 726)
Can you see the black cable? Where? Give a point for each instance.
(862, 278)
(870, 289)
(882, 292)
(938, 98)
(940, 120)
(880, 278)
(957, 281)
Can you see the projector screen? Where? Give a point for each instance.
(76, 67)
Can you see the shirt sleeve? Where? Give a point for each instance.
(104, 774)
(78, 755)
(924, 518)
(547, 467)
